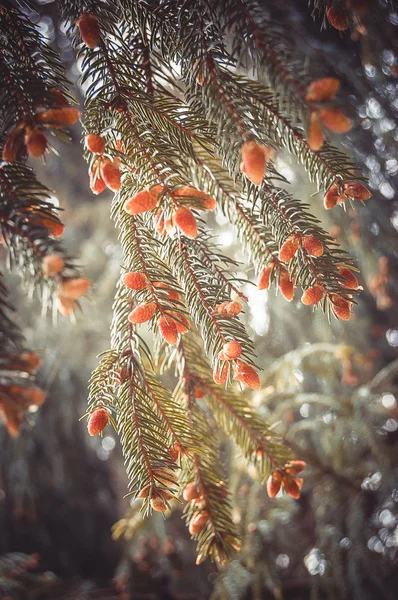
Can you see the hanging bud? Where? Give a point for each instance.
(135, 280)
(181, 322)
(168, 330)
(312, 245)
(110, 174)
(337, 18)
(350, 281)
(315, 133)
(89, 29)
(97, 421)
(199, 393)
(332, 197)
(59, 116)
(233, 308)
(220, 374)
(312, 295)
(335, 120)
(158, 503)
(293, 467)
(97, 184)
(274, 483)
(264, 278)
(357, 191)
(142, 313)
(95, 143)
(323, 89)
(186, 222)
(15, 143)
(221, 309)
(36, 143)
(286, 285)
(74, 287)
(248, 375)
(198, 522)
(190, 492)
(142, 202)
(254, 161)
(65, 306)
(341, 308)
(232, 349)
(52, 264)
(293, 486)
(289, 248)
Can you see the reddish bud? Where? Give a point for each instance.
(36, 143)
(254, 161)
(142, 313)
(350, 281)
(332, 196)
(293, 486)
(52, 264)
(337, 18)
(293, 467)
(264, 278)
(181, 322)
(199, 393)
(315, 133)
(323, 89)
(341, 308)
(198, 522)
(232, 349)
(186, 222)
(97, 184)
(74, 287)
(168, 330)
(95, 143)
(135, 280)
(110, 174)
(140, 203)
(220, 374)
(312, 245)
(248, 375)
(286, 285)
(312, 295)
(274, 483)
(31, 361)
(357, 191)
(89, 29)
(158, 503)
(289, 248)
(59, 116)
(233, 308)
(335, 120)
(190, 492)
(97, 421)
(65, 306)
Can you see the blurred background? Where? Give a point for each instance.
(332, 389)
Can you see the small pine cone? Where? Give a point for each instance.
(286, 285)
(59, 116)
(233, 308)
(135, 280)
(232, 349)
(199, 393)
(293, 467)
(357, 191)
(181, 322)
(186, 222)
(31, 361)
(337, 18)
(323, 89)
(350, 281)
(142, 313)
(341, 308)
(254, 161)
(190, 492)
(52, 264)
(97, 184)
(54, 226)
(221, 309)
(165, 476)
(144, 493)
(89, 29)
(248, 375)
(289, 248)
(168, 330)
(312, 295)
(65, 306)
(335, 120)
(220, 374)
(97, 421)
(293, 486)
(73, 288)
(222, 356)
(264, 278)
(315, 133)
(332, 197)
(274, 483)
(175, 451)
(142, 202)
(95, 143)
(198, 522)
(110, 174)
(158, 504)
(36, 143)
(312, 245)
